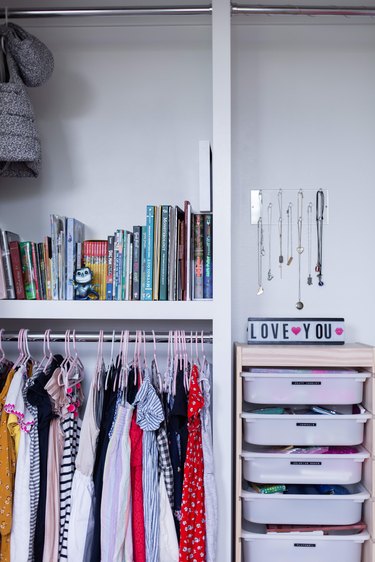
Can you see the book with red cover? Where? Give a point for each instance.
(15, 258)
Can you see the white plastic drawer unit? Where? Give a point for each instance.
(304, 509)
(280, 547)
(263, 465)
(303, 386)
(305, 429)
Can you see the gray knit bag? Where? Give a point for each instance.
(19, 141)
(33, 58)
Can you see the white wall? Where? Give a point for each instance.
(304, 117)
(120, 122)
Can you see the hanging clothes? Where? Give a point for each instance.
(54, 460)
(83, 486)
(138, 522)
(193, 524)
(116, 529)
(210, 493)
(7, 472)
(168, 536)
(37, 396)
(93, 546)
(21, 421)
(149, 417)
(177, 440)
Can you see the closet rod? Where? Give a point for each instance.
(272, 10)
(160, 337)
(123, 11)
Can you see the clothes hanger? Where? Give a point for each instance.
(175, 365)
(99, 361)
(75, 372)
(158, 380)
(167, 382)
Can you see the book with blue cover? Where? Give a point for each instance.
(150, 220)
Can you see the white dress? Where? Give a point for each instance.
(15, 407)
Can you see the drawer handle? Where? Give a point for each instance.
(306, 383)
(306, 424)
(306, 463)
(304, 545)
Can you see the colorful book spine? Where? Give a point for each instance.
(119, 244)
(129, 262)
(27, 270)
(110, 255)
(164, 248)
(181, 269)
(48, 265)
(5, 238)
(124, 266)
(171, 256)
(42, 271)
(187, 252)
(136, 262)
(150, 219)
(156, 260)
(143, 262)
(35, 266)
(198, 221)
(3, 287)
(103, 269)
(207, 257)
(15, 258)
(75, 232)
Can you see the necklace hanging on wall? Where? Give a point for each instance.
(269, 275)
(261, 250)
(299, 248)
(289, 213)
(319, 232)
(281, 257)
(309, 242)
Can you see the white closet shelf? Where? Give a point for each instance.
(119, 310)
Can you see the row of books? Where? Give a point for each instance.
(168, 258)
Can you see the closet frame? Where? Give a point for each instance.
(320, 356)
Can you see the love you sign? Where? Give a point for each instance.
(296, 331)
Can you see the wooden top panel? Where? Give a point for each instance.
(347, 355)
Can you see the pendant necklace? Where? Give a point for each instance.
(309, 240)
(299, 248)
(289, 213)
(319, 232)
(269, 275)
(281, 257)
(261, 250)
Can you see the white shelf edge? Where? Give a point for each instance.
(115, 310)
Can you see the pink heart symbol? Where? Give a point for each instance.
(296, 330)
(339, 331)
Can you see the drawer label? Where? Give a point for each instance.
(306, 424)
(309, 383)
(304, 545)
(306, 463)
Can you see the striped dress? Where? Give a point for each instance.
(149, 417)
(71, 427)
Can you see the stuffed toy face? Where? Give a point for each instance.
(83, 275)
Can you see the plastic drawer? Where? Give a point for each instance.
(304, 509)
(261, 465)
(260, 547)
(309, 429)
(344, 387)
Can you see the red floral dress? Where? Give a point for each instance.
(193, 522)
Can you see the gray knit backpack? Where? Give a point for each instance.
(24, 61)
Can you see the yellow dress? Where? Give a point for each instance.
(7, 473)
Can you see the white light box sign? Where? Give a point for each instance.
(296, 331)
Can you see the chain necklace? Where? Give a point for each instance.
(299, 248)
(319, 232)
(309, 241)
(281, 257)
(269, 275)
(289, 213)
(261, 250)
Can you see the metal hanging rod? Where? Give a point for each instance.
(160, 337)
(123, 11)
(272, 10)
